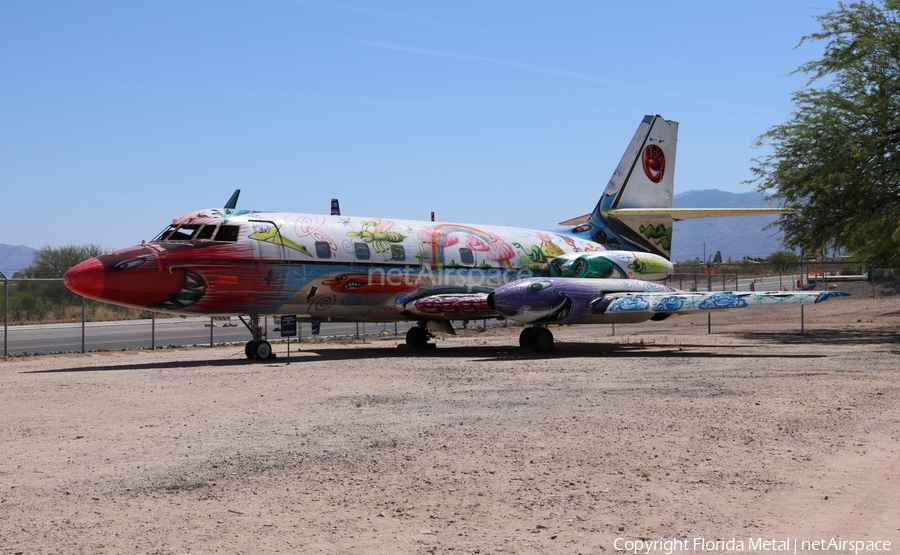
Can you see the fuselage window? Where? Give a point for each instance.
(398, 252)
(362, 251)
(466, 256)
(206, 232)
(323, 249)
(228, 233)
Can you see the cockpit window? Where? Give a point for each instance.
(206, 232)
(228, 233)
(184, 233)
(198, 232)
(165, 233)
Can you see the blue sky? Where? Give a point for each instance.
(116, 117)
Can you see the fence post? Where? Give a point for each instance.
(83, 303)
(802, 322)
(153, 331)
(709, 323)
(5, 313)
(211, 324)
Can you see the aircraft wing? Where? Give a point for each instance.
(685, 303)
(594, 301)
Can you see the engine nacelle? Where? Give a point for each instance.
(571, 300)
(612, 265)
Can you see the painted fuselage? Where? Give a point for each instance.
(220, 261)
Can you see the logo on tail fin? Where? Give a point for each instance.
(633, 210)
(654, 162)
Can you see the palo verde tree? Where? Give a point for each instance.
(783, 261)
(837, 160)
(54, 262)
(38, 290)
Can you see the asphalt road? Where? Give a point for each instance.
(145, 334)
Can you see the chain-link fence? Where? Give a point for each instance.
(40, 316)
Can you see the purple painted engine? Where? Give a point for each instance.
(570, 300)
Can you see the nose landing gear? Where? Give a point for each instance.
(257, 348)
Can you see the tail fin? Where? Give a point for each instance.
(635, 211)
(644, 179)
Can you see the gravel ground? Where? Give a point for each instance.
(474, 447)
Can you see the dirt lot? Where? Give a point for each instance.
(475, 447)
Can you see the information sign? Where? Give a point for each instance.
(289, 325)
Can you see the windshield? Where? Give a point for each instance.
(197, 232)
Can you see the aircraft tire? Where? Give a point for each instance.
(250, 350)
(417, 337)
(543, 340)
(527, 338)
(264, 351)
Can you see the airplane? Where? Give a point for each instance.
(609, 266)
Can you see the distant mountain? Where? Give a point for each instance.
(734, 237)
(13, 259)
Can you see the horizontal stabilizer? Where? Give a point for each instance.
(679, 214)
(576, 221)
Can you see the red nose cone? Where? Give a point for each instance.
(86, 279)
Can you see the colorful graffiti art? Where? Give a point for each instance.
(660, 234)
(606, 266)
(378, 233)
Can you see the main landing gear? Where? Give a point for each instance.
(537, 338)
(257, 348)
(417, 337)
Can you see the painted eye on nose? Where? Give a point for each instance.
(127, 264)
(578, 267)
(539, 285)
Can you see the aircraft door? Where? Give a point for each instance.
(270, 262)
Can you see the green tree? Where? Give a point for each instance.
(51, 262)
(783, 261)
(54, 262)
(838, 159)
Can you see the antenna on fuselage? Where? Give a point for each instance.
(335, 207)
(232, 202)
